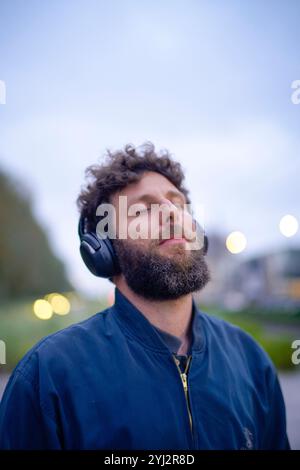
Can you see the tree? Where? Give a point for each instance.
(28, 265)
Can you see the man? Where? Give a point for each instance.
(152, 371)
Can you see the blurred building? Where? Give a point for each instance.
(270, 280)
(222, 266)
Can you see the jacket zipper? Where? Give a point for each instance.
(183, 376)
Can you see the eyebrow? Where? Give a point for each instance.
(148, 197)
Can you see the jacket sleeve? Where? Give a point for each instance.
(23, 422)
(275, 435)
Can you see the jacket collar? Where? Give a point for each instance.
(173, 342)
(137, 325)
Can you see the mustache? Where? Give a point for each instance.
(178, 231)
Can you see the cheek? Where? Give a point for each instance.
(143, 245)
(143, 229)
(139, 244)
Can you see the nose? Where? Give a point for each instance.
(171, 212)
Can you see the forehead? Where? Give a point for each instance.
(152, 184)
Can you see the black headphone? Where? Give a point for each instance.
(99, 254)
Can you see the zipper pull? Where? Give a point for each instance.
(184, 381)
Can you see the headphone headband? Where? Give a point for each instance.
(81, 226)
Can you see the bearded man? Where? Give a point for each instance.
(152, 371)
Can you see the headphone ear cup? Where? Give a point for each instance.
(205, 247)
(99, 255)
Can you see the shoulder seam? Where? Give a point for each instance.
(21, 367)
(35, 387)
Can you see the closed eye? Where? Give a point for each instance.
(142, 211)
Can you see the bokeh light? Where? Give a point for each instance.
(236, 242)
(288, 225)
(42, 309)
(59, 303)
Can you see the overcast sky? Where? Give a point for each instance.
(210, 81)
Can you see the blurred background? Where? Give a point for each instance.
(211, 82)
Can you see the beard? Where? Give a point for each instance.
(156, 276)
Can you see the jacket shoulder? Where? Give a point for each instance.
(64, 343)
(236, 340)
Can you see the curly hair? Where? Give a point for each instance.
(121, 168)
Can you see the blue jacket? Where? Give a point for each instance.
(110, 382)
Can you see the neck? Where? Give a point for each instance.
(173, 315)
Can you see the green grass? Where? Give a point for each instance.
(278, 346)
(20, 329)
